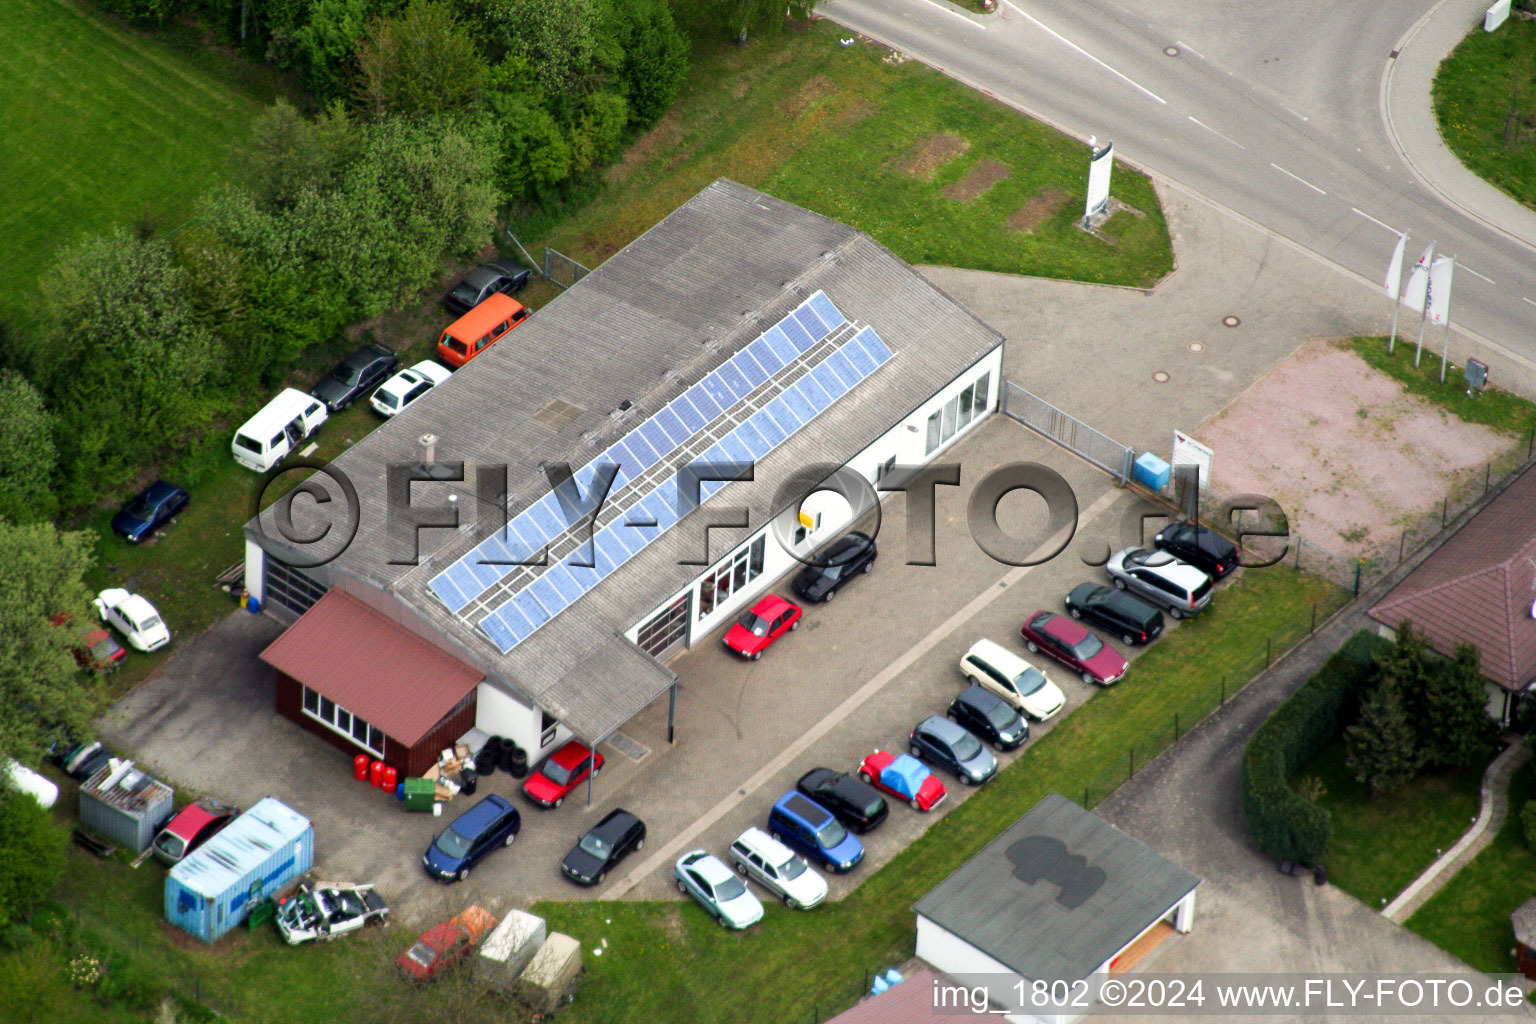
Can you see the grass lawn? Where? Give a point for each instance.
(102, 125)
(1490, 407)
(665, 961)
(1486, 77)
(1379, 846)
(1469, 918)
(929, 168)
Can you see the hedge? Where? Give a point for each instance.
(1281, 822)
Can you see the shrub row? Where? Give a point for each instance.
(1281, 822)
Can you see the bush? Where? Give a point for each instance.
(1280, 821)
(32, 849)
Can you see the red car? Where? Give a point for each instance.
(560, 773)
(192, 826)
(95, 647)
(768, 620)
(1073, 646)
(444, 945)
(903, 777)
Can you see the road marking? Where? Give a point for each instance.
(1474, 273)
(1294, 114)
(1299, 178)
(1373, 220)
(1524, 299)
(1185, 46)
(1085, 53)
(956, 14)
(1216, 133)
(669, 851)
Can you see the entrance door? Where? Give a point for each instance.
(666, 632)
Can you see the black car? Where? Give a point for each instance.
(152, 507)
(600, 849)
(988, 716)
(852, 802)
(1201, 547)
(361, 371)
(503, 276)
(837, 564)
(1120, 612)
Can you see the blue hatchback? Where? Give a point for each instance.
(152, 507)
(800, 822)
(490, 823)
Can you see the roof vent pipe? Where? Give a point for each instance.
(428, 449)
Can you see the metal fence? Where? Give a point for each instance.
(561, 269)
(1068, 431)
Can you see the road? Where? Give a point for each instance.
(1273, 112)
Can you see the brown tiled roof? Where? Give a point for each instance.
(911, 1002)
(378, 670)
(1478, 588)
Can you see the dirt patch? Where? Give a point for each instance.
(1038, 210)
(983, 174)
(812, 91)
(860, 110)
(932, 153)
(1349, 455)
(661, 139)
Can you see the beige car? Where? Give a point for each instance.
(1000, 671)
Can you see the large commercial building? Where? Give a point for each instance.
(739, 330)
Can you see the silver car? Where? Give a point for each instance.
(706, 878)
(778, 869)
(1162, 579)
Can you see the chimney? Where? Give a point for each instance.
(428, 449)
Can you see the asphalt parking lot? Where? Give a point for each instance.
(862, 670)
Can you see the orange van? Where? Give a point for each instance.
(479, 329)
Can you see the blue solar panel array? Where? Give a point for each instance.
(561, 584)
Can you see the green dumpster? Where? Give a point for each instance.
(419, 794)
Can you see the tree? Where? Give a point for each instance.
(562, 41)
(655, 60)
(1457, 731)
(423, 61)
(740, 16)
(326, 45)
(32, 850)
(28, 459)
(41, 686)
(1382, 750)
(288, 154)
(535, 152)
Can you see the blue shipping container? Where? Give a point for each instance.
(257, 855)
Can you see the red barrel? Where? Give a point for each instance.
(360, 767)
(376, 773)
(391, 778)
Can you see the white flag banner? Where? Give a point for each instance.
(1418, 281)
(1395, 268)
(1440, 290)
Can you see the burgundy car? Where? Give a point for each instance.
(1073, 646)
(562, 772)
(768, 620)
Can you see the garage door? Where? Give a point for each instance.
(291, 589)
(666, 631)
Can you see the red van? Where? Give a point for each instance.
(479, 329)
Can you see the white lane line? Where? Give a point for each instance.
(1373, 220)
(957, 14)
(1085, 53)
(1216, 133)
(669, 851)
(1524, 299)
(1294, 114)
(1299, 178)
(1185, 46)
(1463, 266)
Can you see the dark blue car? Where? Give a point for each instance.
(154, 506)
(490, 823)
(800, 822)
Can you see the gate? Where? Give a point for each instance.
(561, 269)
(1068, 431)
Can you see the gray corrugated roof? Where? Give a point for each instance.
(1119, 888)
(643, 327)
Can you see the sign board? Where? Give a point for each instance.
(1189, 452)
(1475, 374)
(1496, 15)
(1098, 179)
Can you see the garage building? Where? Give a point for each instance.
(1061, 896)
(740, 329)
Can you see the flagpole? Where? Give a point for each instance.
(1445, 348)
(1391, 341)
(1424, 312)
(1394, 285)
(1423, 319)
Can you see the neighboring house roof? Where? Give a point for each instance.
(376, 669)
(1478, 587)
(637, 332)
(909, 1002)
(1057, 894)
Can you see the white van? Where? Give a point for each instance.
(268, 437)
